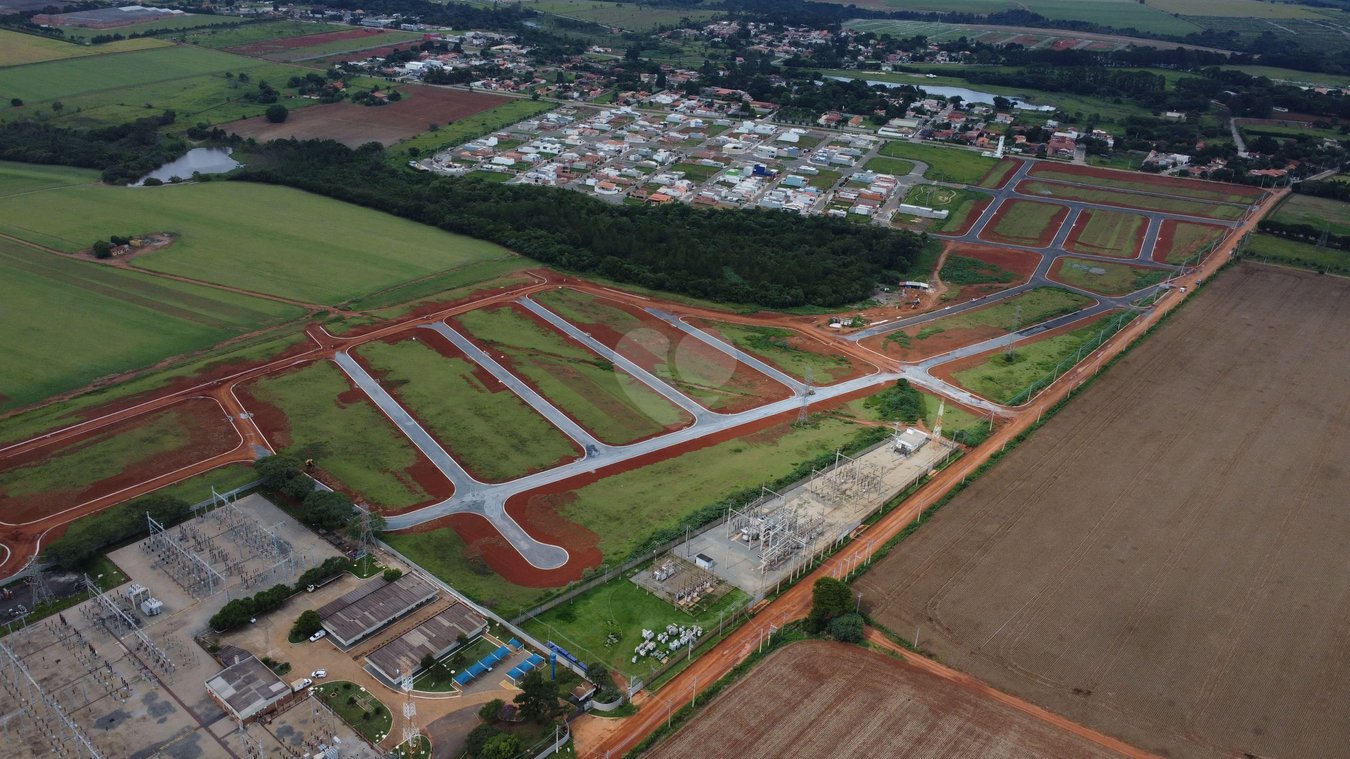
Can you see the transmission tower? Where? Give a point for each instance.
(37, 582)
(1016, 325)
(1326, 233)
(410, 731)
(937, 427)
(367, 547)
(807, 391)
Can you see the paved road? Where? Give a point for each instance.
(778, 375)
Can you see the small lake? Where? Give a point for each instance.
(967, 96)
(202, 160)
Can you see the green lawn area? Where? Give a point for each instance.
(1036, 306)
(69, 322)
(1189, 238)
(264, 238)
(1209, 191)
(614, 406)
(696, 172)
(1279, 250)
(1146, 202)
(357, 707)
(954, 418)
(945, 164)
(349, 439)
(198, 489)
(57, 80)
(1105, 278)
(1002, 381)
(958, 203)
(1110, 233)
(894, 166)
(823, 179)
(776, 347)
(1026, 222)
(493, 433)
(588, 625)
(249, 33)
(17, 48)
(1320, 213)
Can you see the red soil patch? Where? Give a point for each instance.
(1023, 263)
(209, 432)
(259, 49)
(934, 345)
(947, 372)
(434, 306)
(796, 341)
(1047, 233)
(354, 125)
(1097, 172)
(1064, 43)
(361, 55)
(483, 543)
(744, 387)
(1167, 241)
(1072, 243)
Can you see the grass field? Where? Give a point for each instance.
(893, 166)
(21, 178)
(632, 17)
(1186, 240)
(190, 21)
(366, 715)
(958, 203)
(1025, 222)
(494, 434)
(332, 47)
(1144, 202)
(1294, 253)
(1001, 380)
(1103, 277)
(1120, 14)
(621, 608)
(954, 418)
(444, 286)
(695, 172)
(444, 554)
(1109, 233)
(58, 80)
(466, 129)
(613, 405)
(780, 348)
(1034, 307)
(198, 489)
(17, 49)
(246, 34)
(347, 437)
(823, 179)
(70, 322)
(944, 164)
(257, 237)
(1321, 213)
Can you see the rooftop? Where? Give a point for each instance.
(247, 687)
(434, 636)
(373, 604)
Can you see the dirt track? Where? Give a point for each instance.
(1131, 565)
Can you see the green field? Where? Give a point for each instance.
(1110, 233)
(493, 433)
(945, 164)
(334, 47)
(1320, 213)
(959, 204)
(198, 489)
(1120, 14)
(366, 715)
(1189, 238)
(70, 321)
(470, 128)
(1002, 381)
(444, 554)
(823, 179)
(57, 80)
(893, 166)
(247, 34)
(22, 178)
(1213, 192)
(1279, 250)
(17, 49)
(1144, 202)
(349, 439)
(776, 347)
(954, 418)
(614, 406)
(257, 237)
(620, 608)
(696, 172)
(190, 21)
(1025, 222)
(1034, 306)
(637, 17)
(444, 287)
(1113, 279)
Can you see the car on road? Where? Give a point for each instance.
(317, 636)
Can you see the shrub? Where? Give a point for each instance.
(393, 573)
(847, 628)
(305, 625)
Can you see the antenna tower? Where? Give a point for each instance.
(410, 731)
(37, 582)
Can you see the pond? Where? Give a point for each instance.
(198, 160)
(966, 95)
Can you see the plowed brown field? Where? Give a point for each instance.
(1165, 560)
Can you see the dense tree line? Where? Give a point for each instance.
(124, 153)
(1303, 233)
(88, 537)
(741, 256)
(1333, 190)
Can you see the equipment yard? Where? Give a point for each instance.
(1129, 565)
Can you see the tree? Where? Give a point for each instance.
(392, 573)
(102, 249)
(16, 102)
(504, 746)
(538, 699)
(830, 598)
(58, 106)
(275, 471)
(490, 710)
(306, 625)
(847, 628)
(276, 113)
(478, 738)
(326, 509)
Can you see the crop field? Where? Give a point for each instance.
(1294, 253)
(21, 178)
(1103, 277)
(1183, 188)
(1241, 8)
(354, 125)
(62, 79)
(995, 377)
(1110, 197)
(1151, 563)
(489, 429)
(445, 287)
(17, 48)
(1122, 14)
(1107, 233)
(1320, 213)
(184, 22)
(314, 412)
(787, 350)
(951, 332)
(218, 38)
(818, 698)
(1026, 222)
(47, 480)
(294, 245)
(616, 407)
(948, 164)
(70, 322)
(1178, 241)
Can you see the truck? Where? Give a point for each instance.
(301, 684)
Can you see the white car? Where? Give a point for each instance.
(318, 635)
(319, 674)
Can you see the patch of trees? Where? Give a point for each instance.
(86, 538)
(1303, 233)
(238, 612)
(739, 256)
(277, 113)
(540, 701)
(1333, 190)
(834, 611)
(124, 153)
(900, 402)
(305, 625)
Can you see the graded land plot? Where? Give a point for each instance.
(605, 624)
(354, 125)
(1319, 213)
(1215, 192)
(494, 434)
(818, 698)
(1294, 253)
(352, 38)
(315, 49)
(715, 380)
(218, 38)
(952, 332)
(69, 322)
(314, 412)
(972, 271)
(61, 80)
(1003, 378)
(51, 479)
(1104, 277)
(963, 207)
(1179, 241)
(1112, 197)
(952, 164)
(1025, 222)
(615, 406)
(17, 49)
(257, 237)
(1151, 563)
(788, 350)
(1107, 233)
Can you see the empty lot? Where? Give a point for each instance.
(1164, 561)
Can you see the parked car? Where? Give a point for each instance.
(319, 674)
(318, 635)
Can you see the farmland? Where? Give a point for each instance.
(1093, 570)
(950, 332)
(1111, 197)
(1294, 253)
(218, 38)
(946, 164)
(815, 698)
(1107, 233)
(494, 434)
(636, 18)
(295, 245)
(613, 405)
(1026, 223)
(787, 350)
(1320, 213)
(63, 79)
(17, 49)
(1103, 277)
(1002, 379)
(1182, 188)
(1181, 240)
